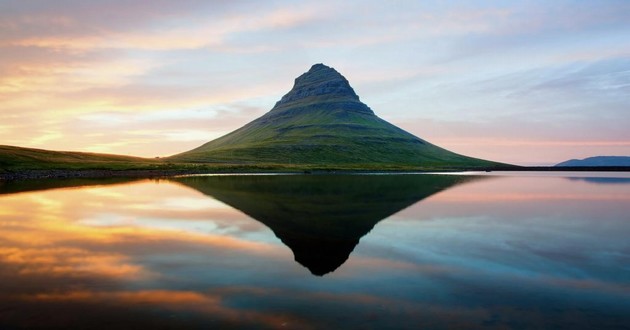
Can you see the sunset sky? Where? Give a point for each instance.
(524, 82)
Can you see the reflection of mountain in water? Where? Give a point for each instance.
(321, 218)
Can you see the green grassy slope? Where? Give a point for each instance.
(321, 122)
(17, 158)
(326, 136)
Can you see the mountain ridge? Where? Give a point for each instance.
(317, 81)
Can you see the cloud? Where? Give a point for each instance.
(71, 262)
(83, 27)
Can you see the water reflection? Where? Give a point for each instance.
(601, 180)
(514, 252)
(321, 218)
(12, 187)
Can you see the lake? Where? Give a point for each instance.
(475, 251)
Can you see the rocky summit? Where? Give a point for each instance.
(320, 83)
(321, 123)
(319, 80)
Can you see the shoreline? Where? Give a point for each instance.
(152, 173)
(85, 174)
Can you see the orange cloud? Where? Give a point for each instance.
(72, 262)
(68, 70)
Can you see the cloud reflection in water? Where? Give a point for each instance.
(158, 254)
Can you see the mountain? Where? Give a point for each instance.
(597, 161)
(322, 122)
(321, 218)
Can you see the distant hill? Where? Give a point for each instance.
(321, 121)
(597, 161)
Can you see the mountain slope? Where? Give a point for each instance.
(597, 161)
(321, 121)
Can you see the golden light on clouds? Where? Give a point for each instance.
(69, 262)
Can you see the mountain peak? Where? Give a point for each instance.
(319, 83)
(320, 66)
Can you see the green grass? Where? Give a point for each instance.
(331, 134)
(319, 125)
(328, 136)
(17, 158)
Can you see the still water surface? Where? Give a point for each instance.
(509, 251)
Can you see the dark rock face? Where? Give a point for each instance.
(320, 81)
(321, 254)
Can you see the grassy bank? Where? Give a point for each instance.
(28, 163)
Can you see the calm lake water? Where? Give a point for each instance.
(491, 251)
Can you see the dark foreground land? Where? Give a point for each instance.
(188, 169)
(224, 169)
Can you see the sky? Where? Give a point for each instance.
(523, 82)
